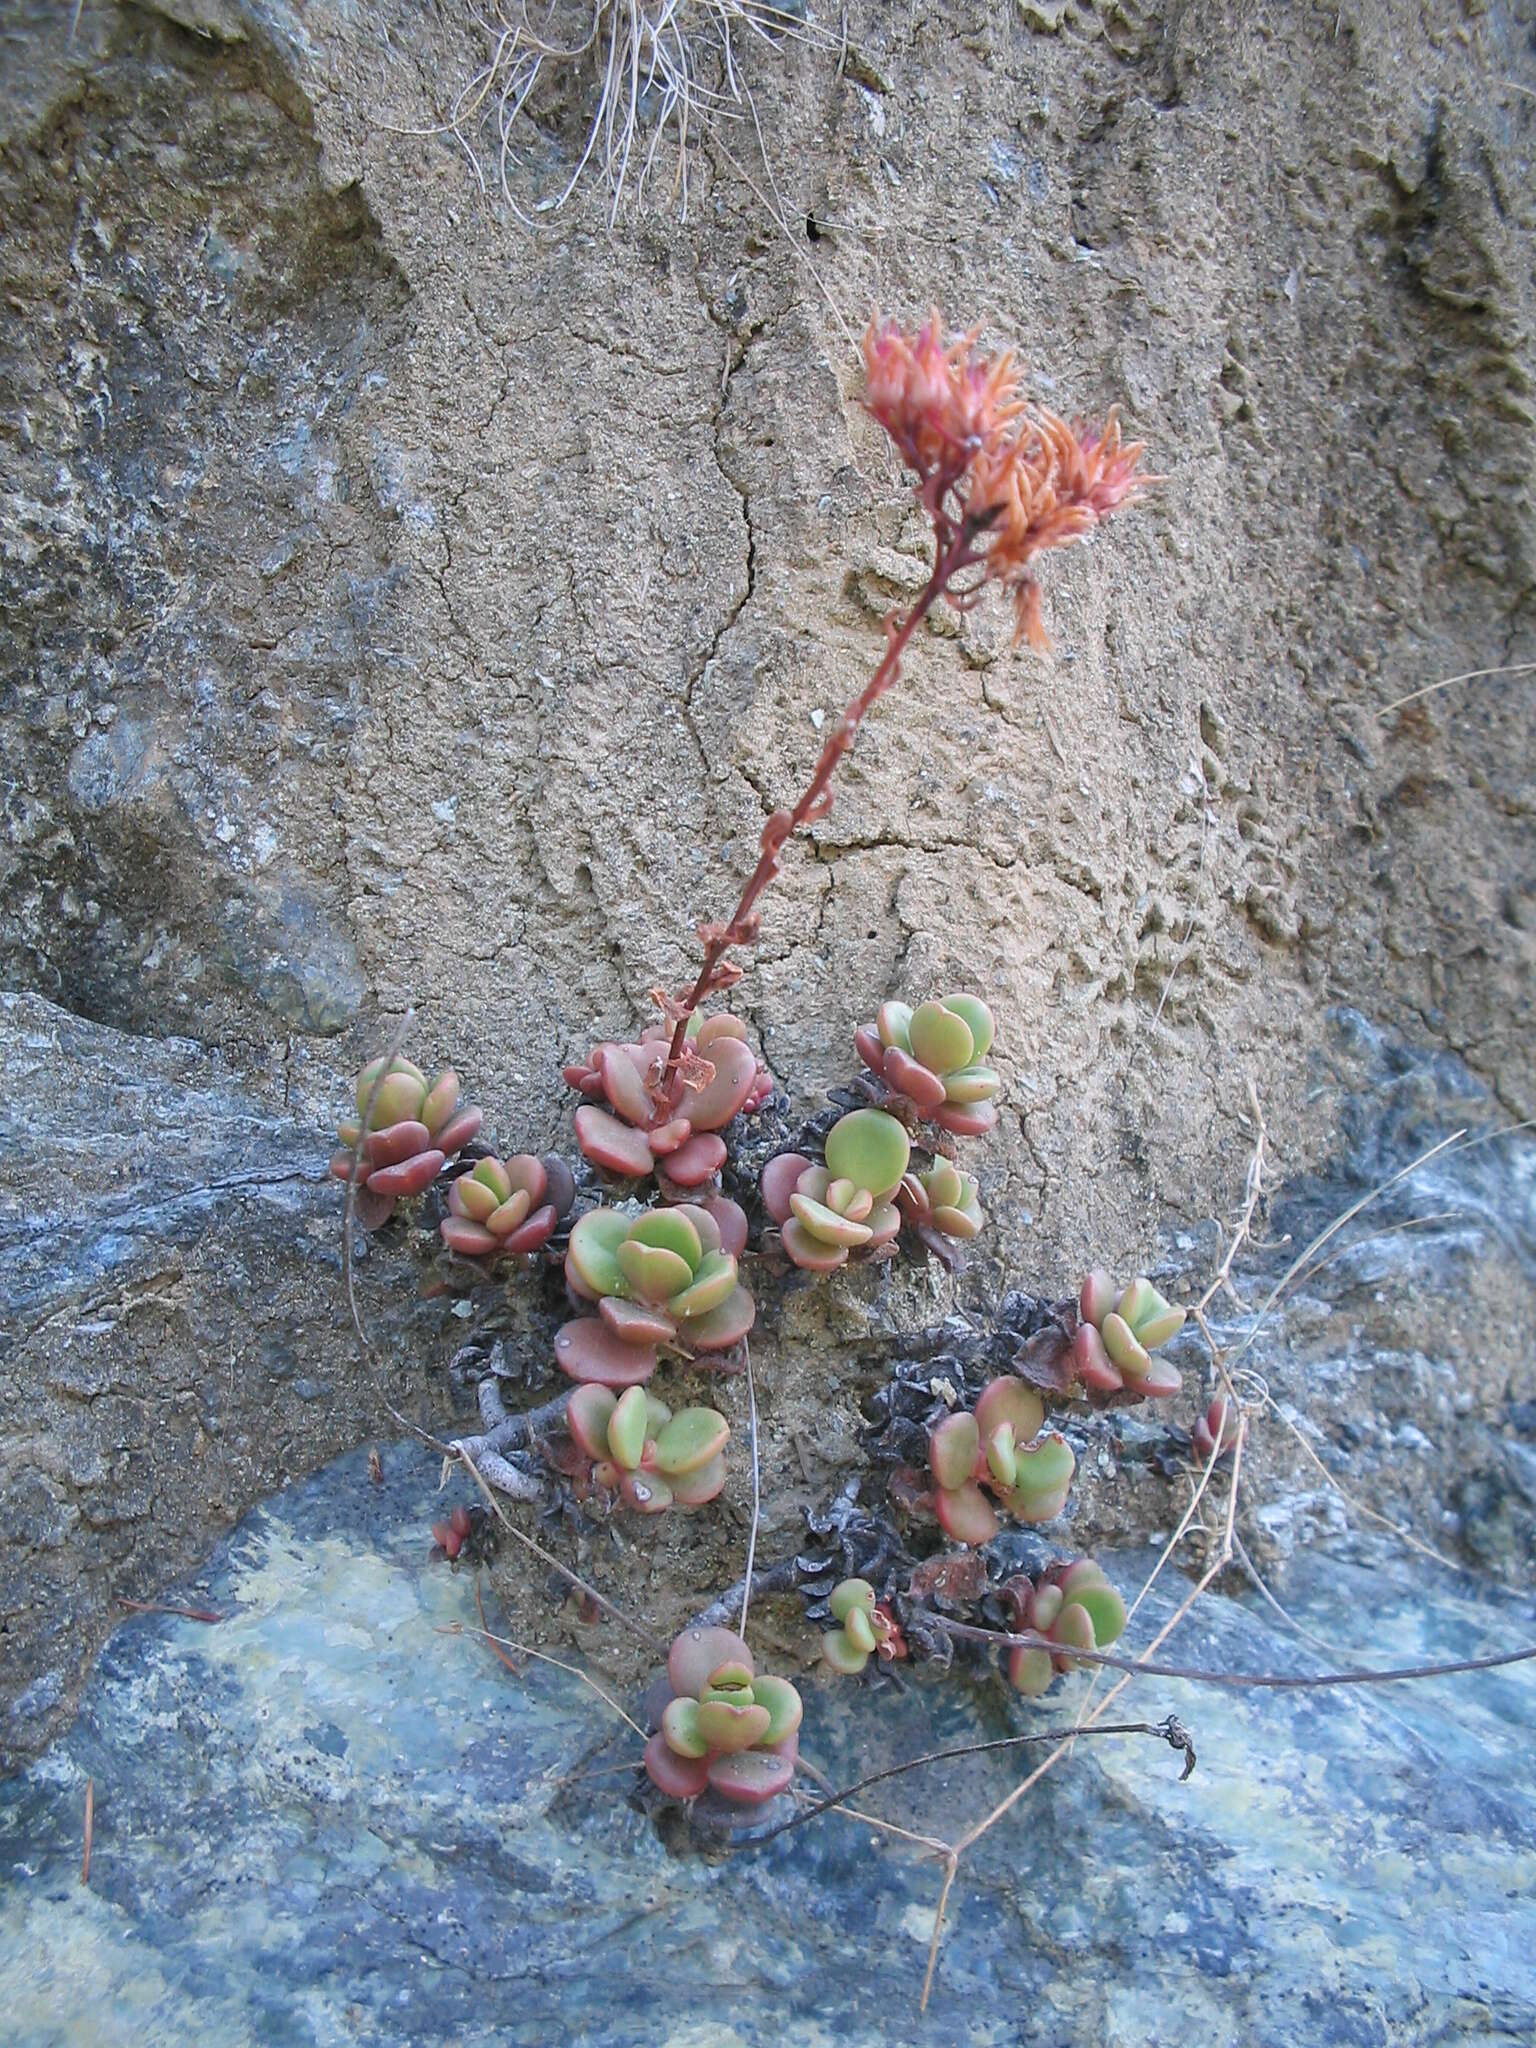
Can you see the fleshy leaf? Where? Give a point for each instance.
(976, 1014)
(595, 1240)
(869, 1148)
(953, 1448)
(785, 1710)
(627, 1427)
(689, 1440)
(587, 1349)
(679, 1777)
(698, 1652)
(941, 1038)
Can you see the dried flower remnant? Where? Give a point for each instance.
(1002, 476)
(414, 1128)
(633, 1124)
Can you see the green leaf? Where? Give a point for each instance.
(870, 1148)
(595, 1239)
(672, 1230)
(680, 1725)
(851, 1593)
(785, 1711)
(941, 1038)
(689, 1440)
(652, 1272)
(712, 1283)
(978, 1017)
(627, 1427)
(952, 1450)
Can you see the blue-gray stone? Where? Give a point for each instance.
(323, 1818)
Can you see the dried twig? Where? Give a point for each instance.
(1169, 1730)
(159, 1607)
(757, 1504)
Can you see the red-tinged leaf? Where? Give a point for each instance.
(401, 1141)
(698, 1653)
(779, 1178)
(697, 1161)
(813, 1254)
(730, 1220)
(457, 1132)
(918, 1083)
(473, 1240)
(635, 1322)
(751, 1777)
(614, 1146)
(965, 1513)
(409, 1177)
(966, 1120)
(870, 1050)
(538, 1230)
(723, 1326)
(587, 1415)
(622, 1084)
(679, 1777)
(1094, 1366)
(713, 1106)
(587, 1350)
(559, 1183)
(667, 1137)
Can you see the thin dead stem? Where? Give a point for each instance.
(757, 1502)
(1471, 675)
(498, 1643)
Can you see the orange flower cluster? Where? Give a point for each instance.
(1013, 475)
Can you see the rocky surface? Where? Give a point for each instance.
(321, 1818)
(400, 605)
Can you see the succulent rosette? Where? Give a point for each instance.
(626, 1128)
(664, 1277)
(414, 1128)
(826, 1212)
(1217, 1426)
(505, 1207)
(725, 1730)
(1073, 1604)
(999, 1448)
(641, 1451)
(1117, 1333)
(935, 1056)
(941, 1198)
(864, 1629)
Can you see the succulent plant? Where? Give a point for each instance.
(999, 1447)
(725, 1729)
(450, 1536)
(1117, 1333)
(662, 1277)
(1073, 1604)
(941, 1198)
(414, 1129)
(826, 1212)
(1218, 1425)
(502, 1208)
(933, 1057)
(866, 1627)
(625, 1127)
(640, 1450)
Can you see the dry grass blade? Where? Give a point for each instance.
(1471, 675)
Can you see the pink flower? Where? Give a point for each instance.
(1012, 476)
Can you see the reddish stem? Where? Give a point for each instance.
(951, 555)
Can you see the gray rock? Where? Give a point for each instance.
(322, 1816)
